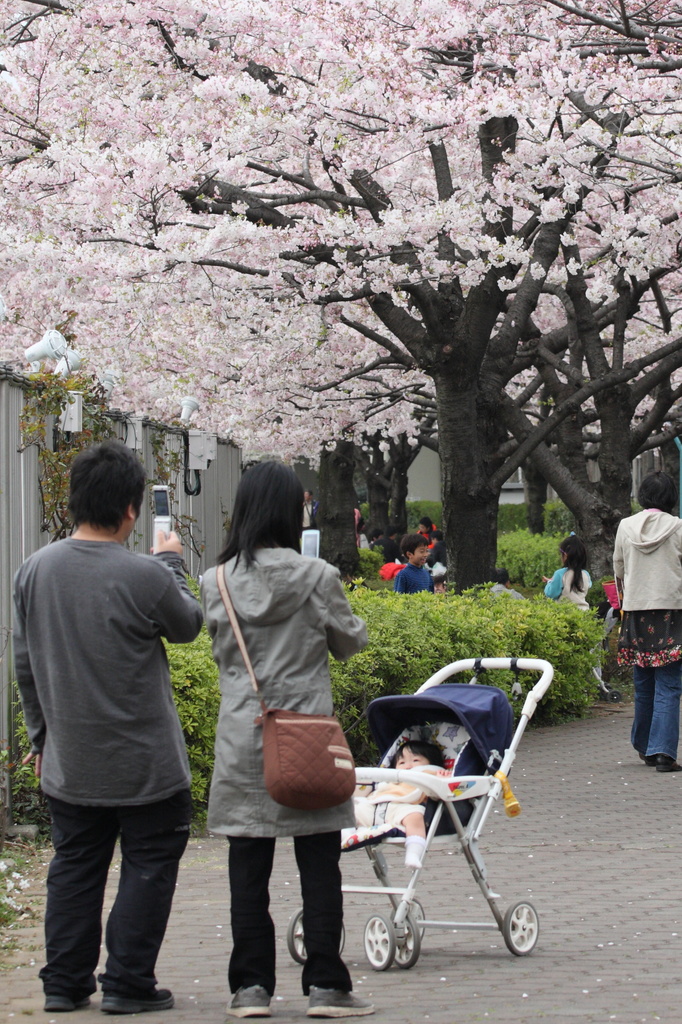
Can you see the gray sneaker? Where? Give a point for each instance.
(333, 1002)
(250, 1002)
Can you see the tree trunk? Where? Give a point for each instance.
(469, 504)
(535, 493)
(377, 496)
(399, 499)
(335, 516)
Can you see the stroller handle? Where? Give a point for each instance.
(533, 697)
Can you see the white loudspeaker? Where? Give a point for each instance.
(189, 405)
(70, 363)
(52, 345)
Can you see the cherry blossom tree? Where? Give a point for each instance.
(476, 201)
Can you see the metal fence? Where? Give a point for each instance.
(202, 515)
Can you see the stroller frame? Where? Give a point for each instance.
(398, 937)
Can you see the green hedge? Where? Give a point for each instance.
(370, 563)
(412, 636)
(558, 518)
(529, 556)
(512, 517)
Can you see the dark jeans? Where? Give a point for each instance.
(253, 933)
(153, 839)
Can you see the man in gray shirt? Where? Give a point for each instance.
(105, 734)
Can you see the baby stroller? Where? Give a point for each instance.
(609, 611)
(473, 725)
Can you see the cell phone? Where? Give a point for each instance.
(162, 513)
(310, 543)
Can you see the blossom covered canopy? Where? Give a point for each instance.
(243, 200)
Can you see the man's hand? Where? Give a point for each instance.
(39, 762)
(167, 542)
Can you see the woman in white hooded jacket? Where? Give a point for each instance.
(647, 563)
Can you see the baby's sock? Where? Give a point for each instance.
(414, 850)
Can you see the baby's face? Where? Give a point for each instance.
(407, 760)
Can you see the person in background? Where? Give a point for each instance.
(293, 614)
(310, 507)
(391, 547)
(438, 551)
(415, 576)
(360, 538)
(502, 585)
(572, 581)
(109, 750)
(426, 526)
(647, 564)
(376, 540)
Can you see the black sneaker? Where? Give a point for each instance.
(667, 764)
(64, 1004)
(159, 999)
(253, 1001)
(333, 1002)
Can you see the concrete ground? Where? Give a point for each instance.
(596, 849)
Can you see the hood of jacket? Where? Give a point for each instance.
(274, 586)
(648, 529)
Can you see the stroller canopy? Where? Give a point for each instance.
(484, 711)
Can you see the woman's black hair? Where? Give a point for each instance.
(576, 559)
(268, 512)
(429, 750)
(658, 490)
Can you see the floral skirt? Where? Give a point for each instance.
(650, 638)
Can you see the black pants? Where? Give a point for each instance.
(253, 933)
(153, 839)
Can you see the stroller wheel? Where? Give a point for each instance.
(418, 914)
(520, 928)
(615, 696)
(408, 943)
(380, 944)
(296, 938)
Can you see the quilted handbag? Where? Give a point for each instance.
(307, 764)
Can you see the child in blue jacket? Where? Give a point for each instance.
(572, 581)
(414, 577)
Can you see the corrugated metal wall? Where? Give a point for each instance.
(201, 516)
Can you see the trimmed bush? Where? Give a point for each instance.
(370, 563)
(529, 556)
(411, 637)
(194, 675)
(558, 518)
(512, 517)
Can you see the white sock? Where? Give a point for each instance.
(414, 850)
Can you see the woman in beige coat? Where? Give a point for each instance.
(293, 613)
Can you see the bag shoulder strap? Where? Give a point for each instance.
(234, 622)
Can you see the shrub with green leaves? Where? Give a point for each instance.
(412, 636)
(194, 675)
(558, 518)
(370, 563)
(529, 556)
(511, 517)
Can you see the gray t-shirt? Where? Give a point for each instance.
(92, 670)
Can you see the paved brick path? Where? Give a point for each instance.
(597, 849)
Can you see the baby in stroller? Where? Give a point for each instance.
(400, 804)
